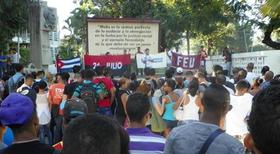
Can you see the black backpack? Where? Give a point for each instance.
(88, 94)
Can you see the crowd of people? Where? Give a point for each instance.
(182, 112)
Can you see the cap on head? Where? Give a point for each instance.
(16, 109)
(73, 108)
(179, 70)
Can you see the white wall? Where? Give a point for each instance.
(270, 58)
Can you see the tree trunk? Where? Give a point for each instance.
(188, 41)
(267, 35)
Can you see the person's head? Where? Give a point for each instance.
(99, 70)
(264, 70)
(201, 77)
(169, 85)
(242, 87)
(19, 113)
(250, 67)
(152, 72)
(193, 87)
(40, 74)
(107, 71)
(168, 74)
(242, 74)
(147, 72)
(216, 101)
(19, 67)
(144, 88)
(65, 77)
(268, 76)
(217, 68)
(42, 85)
(73, 108)
(95, 133)
(133, 76)
(220, 79)
(138, 49)
(124, 83)
(76, 69)
(137, 108)
(263, 122)
(179, 71)
(257, 82)
(201, 47)
(88, 74)
(189, 75)
(29, 79)
(147, 51)
(58, 78)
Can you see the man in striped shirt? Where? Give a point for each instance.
(142, 140)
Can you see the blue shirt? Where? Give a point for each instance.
(13, 80)
(142, 141)
(190, 137)
(3, 60)
(8, 137)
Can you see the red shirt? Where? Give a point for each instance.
(58, 146)
(108, 83)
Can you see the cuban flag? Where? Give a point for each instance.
(66, 65)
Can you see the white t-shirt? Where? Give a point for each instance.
(229, 90)
(235, 119)
(43, 110)
(250, 77)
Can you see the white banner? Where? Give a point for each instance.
(152, 61)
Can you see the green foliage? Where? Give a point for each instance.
(69, 48)
(205, 20)
(24, 55)
(13, 19)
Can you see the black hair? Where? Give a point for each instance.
(152, 71)
(99, 70)
(39, 73)
(29, 76)
(147, 71)
(217, 68)
(107, 71)
(189, 73)
(95, 134)
(133, 76)
(137, 107)
(264, 70)
(193, 87)
(250, 66)
(65, 76)
(88, 74)
(76, 69)
(171, 83)
(42, 85)
(242, 74)
(215, 99)
(263, 123)
(19, 67)
(168, 74)
(243, 84)
(220, 79)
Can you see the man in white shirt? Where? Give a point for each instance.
(221, 80)
(250, 75)
(28, 82)
(147, 59)
(236, 124)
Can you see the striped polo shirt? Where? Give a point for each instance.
(143, 141)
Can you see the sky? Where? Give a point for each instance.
(64, 7)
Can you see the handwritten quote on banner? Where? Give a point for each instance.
(114, 37)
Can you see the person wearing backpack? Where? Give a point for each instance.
(103, 79)
(16, 80)
(88, 91)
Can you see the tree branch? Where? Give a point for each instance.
(267, 35)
